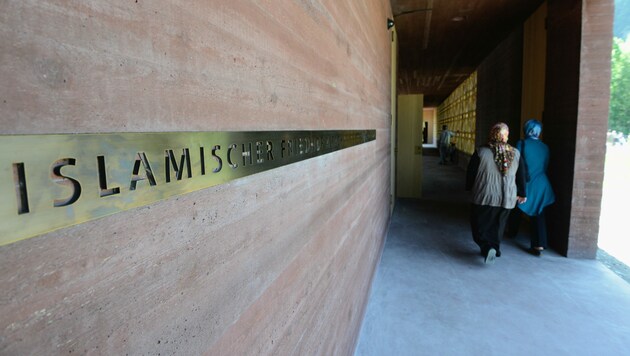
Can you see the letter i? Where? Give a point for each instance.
(19, 178)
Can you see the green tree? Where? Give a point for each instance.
(619, 118)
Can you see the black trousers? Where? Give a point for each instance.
(538, 227)
(488, 224)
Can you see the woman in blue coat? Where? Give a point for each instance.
(535, 155)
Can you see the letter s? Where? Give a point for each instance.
(59, 178)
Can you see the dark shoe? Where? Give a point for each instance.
(535, 251)
(498, 253)
(490, 256)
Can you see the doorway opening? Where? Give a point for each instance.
(429, 127)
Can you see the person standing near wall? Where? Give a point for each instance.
(535, 155)
(496, 177)
(444, 144)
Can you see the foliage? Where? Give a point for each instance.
(619, 118)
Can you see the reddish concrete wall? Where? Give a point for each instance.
(275, 263)
(577, 89)
(592, 124)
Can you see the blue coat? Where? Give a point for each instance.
(539, 191)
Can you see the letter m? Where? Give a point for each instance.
(184, 162)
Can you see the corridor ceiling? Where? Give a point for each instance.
(441, 42)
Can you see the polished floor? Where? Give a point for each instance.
(432, 294)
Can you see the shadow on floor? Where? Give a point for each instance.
(432, 294)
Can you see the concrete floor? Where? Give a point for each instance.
(432, 294)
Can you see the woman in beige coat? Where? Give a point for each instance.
(496, 177)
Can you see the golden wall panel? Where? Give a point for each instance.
(458, 112)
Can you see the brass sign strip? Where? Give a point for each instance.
(53, 181)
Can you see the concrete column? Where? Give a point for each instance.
(576, 118)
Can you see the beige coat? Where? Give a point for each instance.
(491, 188)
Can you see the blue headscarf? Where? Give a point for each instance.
(532, 128)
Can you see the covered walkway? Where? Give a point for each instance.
(432, 294)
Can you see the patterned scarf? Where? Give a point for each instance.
(502, 151)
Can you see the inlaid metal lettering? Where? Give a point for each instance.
(102, 179)
(19, 177)
(53, 181)
(72, 183)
